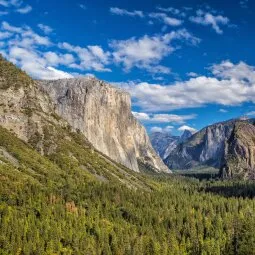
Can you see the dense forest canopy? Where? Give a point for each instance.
(52, 205)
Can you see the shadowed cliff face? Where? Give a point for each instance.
(238, 160)
(161, 141)
(103, 114)
(164, 143)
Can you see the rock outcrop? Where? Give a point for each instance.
(239, 153)
(98, 110)
(103, 114)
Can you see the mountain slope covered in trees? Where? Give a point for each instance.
(51, 205)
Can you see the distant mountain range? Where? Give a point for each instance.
(226, 145)
(164, 143)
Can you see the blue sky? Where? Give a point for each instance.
(186, 64)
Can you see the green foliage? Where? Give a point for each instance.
(77, 201)
(11, 76)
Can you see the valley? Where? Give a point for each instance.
(127, 127)
(61, 195)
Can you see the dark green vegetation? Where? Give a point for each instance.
(12, 76)
(201, 173)
(75, 201)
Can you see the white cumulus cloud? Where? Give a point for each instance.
(191, 129)
(223, 110)
(252, 113)
(15, 5)
(146, 52)
(232, 84)
(208, 19)
(173, 11)
(156, 129)
(24, 10)
(170, 21)
(38, 55)
(163, 118)
(92, 57)
(46, 29)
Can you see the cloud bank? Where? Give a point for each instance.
(230, 84)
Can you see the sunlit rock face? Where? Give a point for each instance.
(103, 114)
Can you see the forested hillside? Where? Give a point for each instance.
(70, 203)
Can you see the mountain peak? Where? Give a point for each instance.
(186, 134)
(206, 147)
(164, 142)
(82, 82)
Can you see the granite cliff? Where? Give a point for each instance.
(161, 141)
(239, 153)
(103, 114)
(34, 110)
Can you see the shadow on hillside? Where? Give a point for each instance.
(201, 176)
(232, 189)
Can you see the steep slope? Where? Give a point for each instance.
(103, 114)
(172, 146)
(27, 110)
(239, 154)
(206, 147)
(24, 108)
(73, 155)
